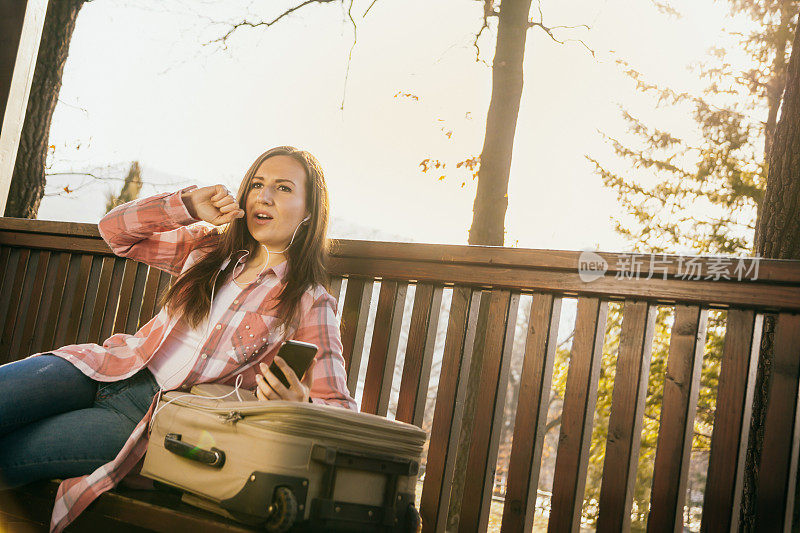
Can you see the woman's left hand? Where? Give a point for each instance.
(271, 388)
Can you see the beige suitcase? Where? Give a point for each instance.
(286, 465)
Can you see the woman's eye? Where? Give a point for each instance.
(285, 187)
(253, 185)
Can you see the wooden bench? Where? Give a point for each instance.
(61, 285)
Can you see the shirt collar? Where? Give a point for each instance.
(279, 270)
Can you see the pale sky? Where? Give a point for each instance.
(140, 85)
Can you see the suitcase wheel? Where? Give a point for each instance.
(413, 521)
(282, 511)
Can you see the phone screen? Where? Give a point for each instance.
(298, 355)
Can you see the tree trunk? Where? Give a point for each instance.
(491, 202)
(778, 80)
(491, 199)
(777, 237)
(27, 183)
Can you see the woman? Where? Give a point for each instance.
(82, 411)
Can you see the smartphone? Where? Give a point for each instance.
(298, 355)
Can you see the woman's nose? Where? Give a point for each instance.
(264, 196)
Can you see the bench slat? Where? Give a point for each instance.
(14, 289)
(383, 348)
(719, 293)
(52, 306)
(335, 286)
(676, 428)
(125, 293)
(778, 470)
(541, 343)
(31, 315)
(627, 411)
(90, 300)
(419, 354)
(5, 251)
(731, 420)
(496, 344)
(22, 305)
(572, 457)
(78, 289)
(103, 286)
(110, 311)
(449, 409)
(354, 326)
(134, 313)
(149, 296)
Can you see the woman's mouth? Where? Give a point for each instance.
(262, 219)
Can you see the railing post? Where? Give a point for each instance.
(21, 26)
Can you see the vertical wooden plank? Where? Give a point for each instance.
(419, 353)
(5, 251)
(53, 302)
(164, 281)
(110, 311)
(731, 421)
(354, 326)
(131, 325)
(71, 334)
(531, 416)
(336, 286)
(777, 473)
(627, 411)
(149, 297)
(26, 50)
(90, 300)
(32, 316)
(22, 306)
(485, 439)
(572, 457)
(15, 291)
(448, 412)
(12, 15)
(100, 301)
(125, 294)
(674, 446)
(383, 349)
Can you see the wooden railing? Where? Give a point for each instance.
(62, 285)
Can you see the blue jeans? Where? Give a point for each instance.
(55, 422)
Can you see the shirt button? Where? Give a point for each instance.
(219, 326)
(204, 356)
(236, 301)
(263, 339)
(251, 334)
(247, 327)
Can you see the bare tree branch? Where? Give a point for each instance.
(549, 30)
(247, 23)
(488, 11)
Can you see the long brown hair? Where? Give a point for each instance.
(190, 294)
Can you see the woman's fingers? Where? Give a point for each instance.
(308, 377)
(291, 377)
(264, 388)
(276, 385)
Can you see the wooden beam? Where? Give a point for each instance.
(15, 96)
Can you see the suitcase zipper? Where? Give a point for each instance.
(231, 417)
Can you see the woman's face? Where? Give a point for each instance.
(278, 190)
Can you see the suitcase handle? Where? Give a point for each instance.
(214, 457)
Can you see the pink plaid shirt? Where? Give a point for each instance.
(160, 232)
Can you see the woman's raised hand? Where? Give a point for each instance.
(213, 204)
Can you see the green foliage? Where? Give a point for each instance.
(703, 195)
